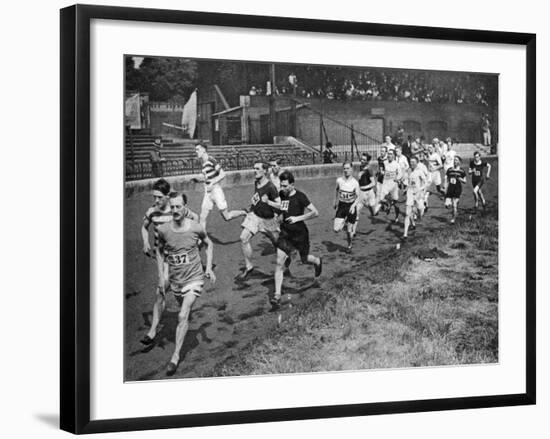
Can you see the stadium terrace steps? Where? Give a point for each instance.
(141, 146)
(468, 149)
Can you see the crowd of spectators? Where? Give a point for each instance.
(386, 85)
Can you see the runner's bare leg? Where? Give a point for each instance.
(183, 325)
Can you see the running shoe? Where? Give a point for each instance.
(275, 303)
(245, 273)
(171, 368)
(319, 268)
(146, 340)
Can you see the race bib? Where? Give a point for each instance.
(179, 259)
(477, 173)
(284, 205)
(452, 180)
(255, 199)
(347, 197)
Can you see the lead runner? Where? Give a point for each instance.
(158, 214)
(179, 246)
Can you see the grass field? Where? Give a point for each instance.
(434, 302)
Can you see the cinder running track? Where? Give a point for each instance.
(230, 314)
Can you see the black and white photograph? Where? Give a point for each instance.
(286, 218)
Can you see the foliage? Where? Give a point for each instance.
(165, 79)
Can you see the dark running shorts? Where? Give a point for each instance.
(291, 240)
(343, 212)
(453, 191)
(479, 181)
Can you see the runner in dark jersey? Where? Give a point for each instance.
(261, 217)
(382, 160)
(478, 179)
(178, 244)
(456, 177)
(295, 208)
(366, 184)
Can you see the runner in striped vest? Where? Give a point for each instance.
(213, 174)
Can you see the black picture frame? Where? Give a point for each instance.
(75, 217)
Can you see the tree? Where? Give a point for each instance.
(165, 79)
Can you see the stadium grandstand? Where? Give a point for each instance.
(233, 107)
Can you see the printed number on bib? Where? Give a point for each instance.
(179, 259)
(477, 173)
(255, 199)
(347, 197)
(284, 205)
(452, 180)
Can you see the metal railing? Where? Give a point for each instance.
(346, 139)
(229, 162)
(348, 143)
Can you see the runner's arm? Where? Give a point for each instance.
(312, 213)
(336, 195)
(218, 178)
(160, 261)
(424, 181)
(357, 198)
(488, 171)
(400, 175)
(275, 204)
(369, 186)
(145, 235)
(199, 179)
(209, 256)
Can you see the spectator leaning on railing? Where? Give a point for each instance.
(486, 129)
(156, 158)
(329, 156)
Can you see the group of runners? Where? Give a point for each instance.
(412, 180)
(279, 211)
